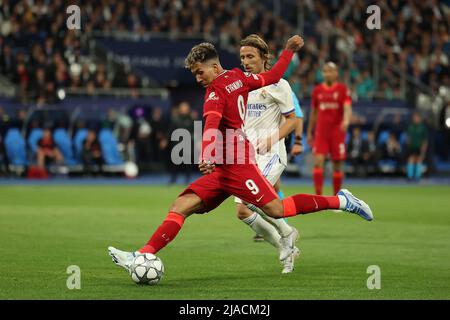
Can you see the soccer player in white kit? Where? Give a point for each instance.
(269, 118)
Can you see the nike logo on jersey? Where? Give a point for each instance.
(259, 199)
(317, 206)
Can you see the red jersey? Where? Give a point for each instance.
(225, 108)
(329, 103)
(46, 144)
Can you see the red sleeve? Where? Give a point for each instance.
(212, 113)
(210, 136)
(256, 81)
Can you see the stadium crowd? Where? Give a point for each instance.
(39, 55)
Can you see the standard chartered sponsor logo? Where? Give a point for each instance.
(328, 105)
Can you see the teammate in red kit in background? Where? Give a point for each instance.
(229, 171)
(331, 109)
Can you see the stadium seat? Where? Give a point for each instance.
(387, 166)
(364, 135)
(80, 136)
(110, 148)
(347, 137)
(382, 137)
(33, 139)
(403, 138)
(64, 144)
(15, 147)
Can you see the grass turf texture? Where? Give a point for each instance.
(45, 229)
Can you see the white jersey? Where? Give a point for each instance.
(265, 108)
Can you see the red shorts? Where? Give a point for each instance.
(244, 181)
(331, 142)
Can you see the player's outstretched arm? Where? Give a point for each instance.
(294, 43)
(274, 75)
(209, 139)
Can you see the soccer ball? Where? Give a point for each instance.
(147, 269)
(131, 170)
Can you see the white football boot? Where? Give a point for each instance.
(288, 263)
(287, 244)
(121, 258)
(355, 205)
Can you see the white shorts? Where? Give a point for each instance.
(271, 168)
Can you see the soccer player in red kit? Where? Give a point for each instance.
(331, 109)
(228, 164)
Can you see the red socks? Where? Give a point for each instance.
(306, 203)
(318, 180)
(338, 176)
(165, 233)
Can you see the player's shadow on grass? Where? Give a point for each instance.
(188, 282)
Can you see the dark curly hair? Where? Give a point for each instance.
(200, 53)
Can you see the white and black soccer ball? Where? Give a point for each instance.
(147, 269)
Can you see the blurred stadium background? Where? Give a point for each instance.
(122, 75)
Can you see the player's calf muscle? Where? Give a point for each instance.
(274, 209)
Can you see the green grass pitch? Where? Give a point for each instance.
(45, 229)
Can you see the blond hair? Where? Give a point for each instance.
(257, 42)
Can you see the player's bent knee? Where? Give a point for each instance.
(242, 213)
(319, 161)
(274, 209)
(187, 204)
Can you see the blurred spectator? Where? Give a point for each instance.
(417, 147)
(47, 152)
(369, 153)
(92, 153)
(122, 130)
(392, 150)
(7, 61)
(359, 152)
(362, 152)
(444, 120)
(396, 125)
(141, 137)
(366, 86)
(4, 121)
(182, 119)
(354, 150)
(4, 162)
(158, 138)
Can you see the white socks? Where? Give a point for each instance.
(342, 202)
(264, 228)
(280, 224)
